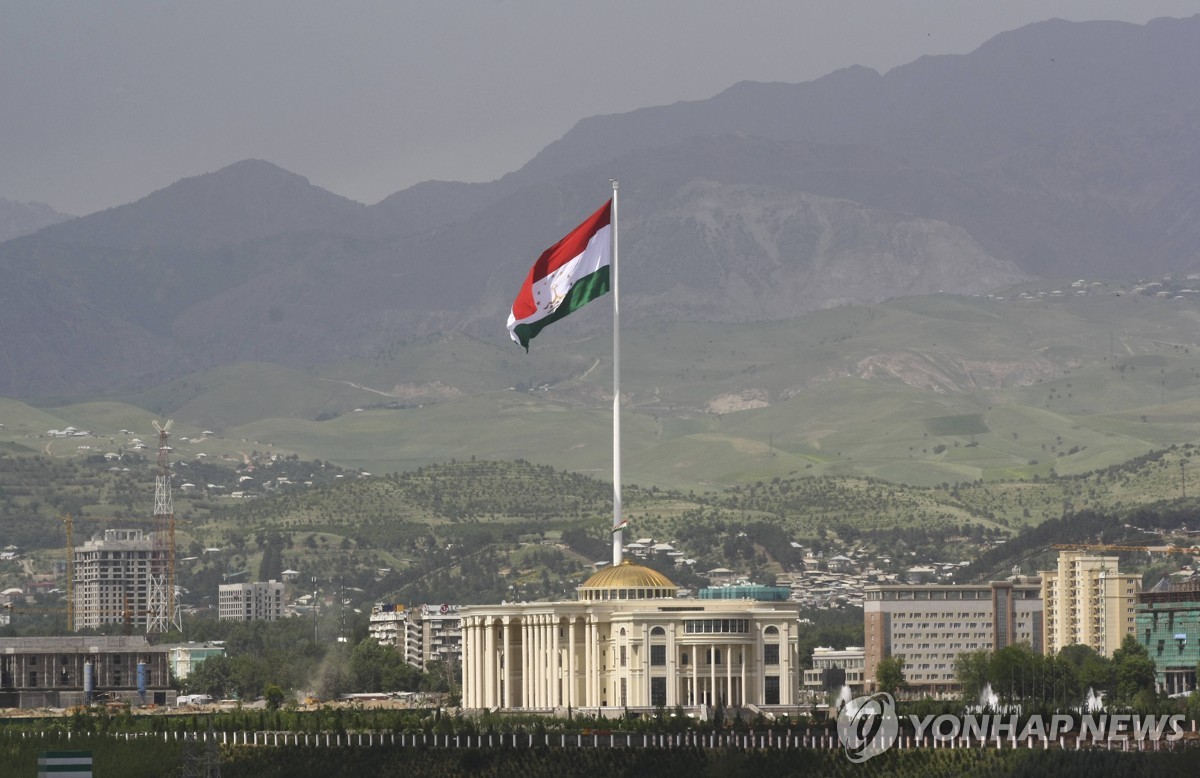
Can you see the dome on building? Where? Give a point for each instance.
(627, 581)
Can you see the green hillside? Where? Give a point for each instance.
(924, 391)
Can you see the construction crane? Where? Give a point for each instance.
(69, 521)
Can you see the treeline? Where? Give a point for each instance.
(284, 659)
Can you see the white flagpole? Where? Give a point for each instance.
(617, 535)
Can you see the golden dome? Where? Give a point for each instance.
(635, 582)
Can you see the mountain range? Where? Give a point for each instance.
(1056, 151)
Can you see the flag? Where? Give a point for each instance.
(567, 276)
(617, 528)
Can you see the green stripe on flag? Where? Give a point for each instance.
(581, 293)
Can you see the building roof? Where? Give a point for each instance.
(628, 576)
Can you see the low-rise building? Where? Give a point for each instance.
(835, 668)
(184, 657)
(60, 672)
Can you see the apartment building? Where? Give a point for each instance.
(929, 625)
(257, 601)
(112, 579)
(423, 634)
(1089, 601)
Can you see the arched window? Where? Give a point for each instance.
(771, 631)
(658, 632)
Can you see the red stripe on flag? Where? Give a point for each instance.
(558, 255)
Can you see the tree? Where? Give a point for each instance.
(971, 669)
(889, 675)
(1093, 671)
(274, 696)
(1132, 670)
(213, 676)
(378, 668)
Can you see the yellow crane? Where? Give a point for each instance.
(69, 521)
(1164, 549)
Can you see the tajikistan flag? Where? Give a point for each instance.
(568, 275)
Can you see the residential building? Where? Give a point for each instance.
(423, 634)
(929, 625)
(112, 579)
(256, 601)
(1168, 625)
(1088, 601)
(629, 643)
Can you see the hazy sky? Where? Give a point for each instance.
(102, 103)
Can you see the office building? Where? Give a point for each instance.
(929, 625)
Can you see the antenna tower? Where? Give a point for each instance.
(163, 613)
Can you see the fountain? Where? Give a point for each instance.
(1094, 702)
(845, 701)
(988, 700)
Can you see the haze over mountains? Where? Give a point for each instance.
(1060, 150)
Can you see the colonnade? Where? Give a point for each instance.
(542, 661)
(530, 661)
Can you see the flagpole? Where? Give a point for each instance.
(617, 535)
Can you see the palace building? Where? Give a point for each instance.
(629, 642)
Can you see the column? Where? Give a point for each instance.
(543, 649)
(508, 700)
(489, 663)
(742, 691)
(465, 670)
(571, 690)
(729, 674)
(557, 692)
(468, 668)
(712, 672)
(589, 660)
(787, 666)
(524, 660)
(695, 676)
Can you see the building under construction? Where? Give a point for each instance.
(124, 576)
(113, 573)
(60, 672)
